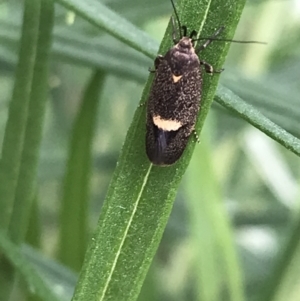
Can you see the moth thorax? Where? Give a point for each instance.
(185, 45)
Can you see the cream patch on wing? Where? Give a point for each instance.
(166, 124)
(176, 78)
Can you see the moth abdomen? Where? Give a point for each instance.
(165, 147)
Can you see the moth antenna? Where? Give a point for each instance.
(177, 18)
(233, 41)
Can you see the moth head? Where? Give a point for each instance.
(185, 45)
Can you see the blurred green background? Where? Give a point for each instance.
(256, 179)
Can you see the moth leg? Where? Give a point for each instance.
(196, 136)
(142, 104)
(158, 60)
(156, 63)
(209, 68)
(216, 33)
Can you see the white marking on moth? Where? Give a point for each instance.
(166, 124)
(176, 78)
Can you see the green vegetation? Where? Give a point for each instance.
(220, 224)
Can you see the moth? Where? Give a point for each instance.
(175, 95)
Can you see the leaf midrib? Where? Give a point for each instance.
(106, 285)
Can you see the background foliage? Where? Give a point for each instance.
(237, 170)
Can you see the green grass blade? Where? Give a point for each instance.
(140, 196)
(26, 189)
(34, 281)
(285, 274)
(77, 48)
(75, 201)
(235, 104)
(16, 123)
(34, 231)
(200, 196)
(273, 98)
(217, 263)
(100, 15)
(52, 272)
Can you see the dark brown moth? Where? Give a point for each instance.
(175, 95)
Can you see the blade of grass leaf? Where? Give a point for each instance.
(279, 274)
(217, 263)
(34, 231)
(15, 130)
(17, 116)
(16, 258)
(75, 200)
(235, 104)
(149, 291)
(140, 196)
(7, 56)
(52, 272)
(76, 48)
(272, 98)
(25, 189)
(100, 15)
(105, 55)
(289, 289)
(205, 269)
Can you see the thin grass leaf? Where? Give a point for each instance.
(149, 290)
(34, 281)
(53, 273)
(26, 189)
(216, 263)
(140, 196)
(203, 240)
(105, 56)
(75, 200)
(276, 100)
(101, 16)
(7, 56)
(26, 163)
(16, 123)
(34, 231)
(75, 47)
(282, 270)
(288, 288)
(235, 104)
